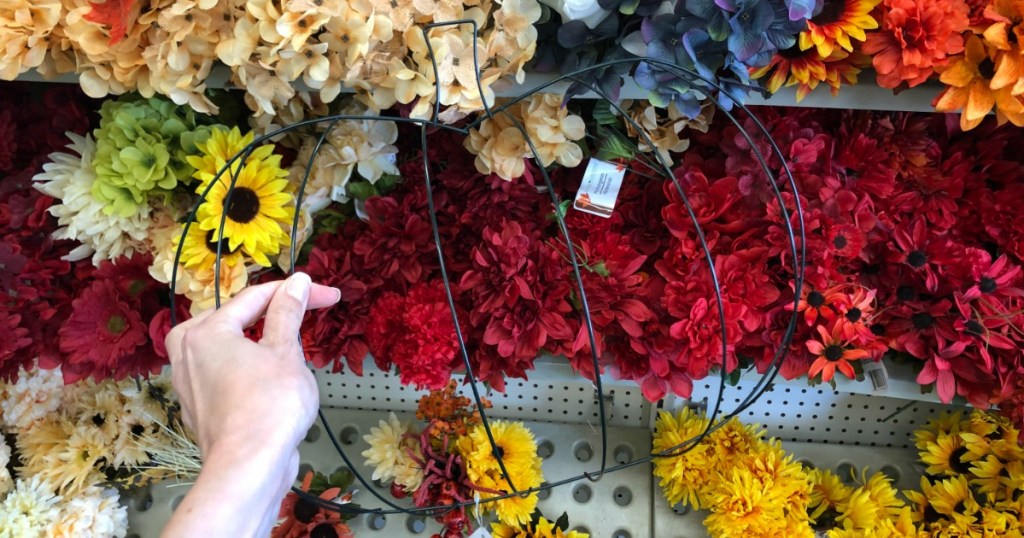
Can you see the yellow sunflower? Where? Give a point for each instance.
(947, 456)
(806, 70)
(828, 493)
(992, 476)
(220, 147)
(945, 423)
(200, 250)
(922, 511)
(258, 214)
(682, 476)
(543, 529)
(837, 23)
(952, 497)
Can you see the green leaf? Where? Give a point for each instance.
(562, 209)
(614, 145)
(361, 190)
(603, 113)
(733, 378)
(342, 478)
(599, 268)
(563, 522)
(319, 484)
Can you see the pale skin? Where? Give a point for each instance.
(249, 404)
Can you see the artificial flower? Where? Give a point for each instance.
(838, 23)
(518, 451)
(34, 395)
(6, 482)
(915, 37)
(94, 512)
(542, 528)
(688, 466)
(392, 454)
(833, 352)
(970, 89)
(29, 509)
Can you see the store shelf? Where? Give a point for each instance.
(864, 96)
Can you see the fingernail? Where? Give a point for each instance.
(337, 295)
(298, 286)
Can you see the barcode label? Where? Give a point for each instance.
(878, 376)
(600, 188)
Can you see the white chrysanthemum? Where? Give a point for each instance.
(29, 509)
(387, 450)
(35, 395)
(6, 482)
(69, 178)
(95, 512)
(408, 473)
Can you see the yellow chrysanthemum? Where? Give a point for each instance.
(828, 493)
(259, 212)
(946, 456)
(734, 439)
(744, 506)
(63, 454)
(518, 450)
(222, 146)
(838, 22)
(859, 512)
(543, 529)
(771, 465)
(682, 477)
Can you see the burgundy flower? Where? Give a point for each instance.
(14, 346)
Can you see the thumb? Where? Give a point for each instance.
(286, 310)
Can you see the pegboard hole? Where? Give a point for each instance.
(416, 524)
(313, 434)
(892, 472)
(583, 451)
(349, 435)
(806, 463)
(845, 471)
(622, 496)
(681, 509)
(545, 449)
(144, 503)
(622, 533)
(376, 521)
(582, 493)
(544, 492)
(623, 454)
(581, 529)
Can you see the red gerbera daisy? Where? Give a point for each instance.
(102, 336)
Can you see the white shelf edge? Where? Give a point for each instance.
(863, 96)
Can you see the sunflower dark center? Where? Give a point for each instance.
(815, 299)
(917, 259)
(826, 521)
(931, 515)
(905, 293)
(324, 530)
(792, 53)
(245, 205)
(854, 314)
(878, 329)
(987, 285)
(304, 511)
(960, 507)
(116, 324)
(833, 352)
(840, 241)
(212, 245)
(922, 320)
(98, 419)
(957, 464)
(831, 13)
(975, 328)
(499, 451)
(138, 429)
(987, 69)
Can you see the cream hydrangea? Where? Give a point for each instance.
(29, 509)
(69, 177)
(35, 395)
(25, 28)
(94, 512)
(389, 454)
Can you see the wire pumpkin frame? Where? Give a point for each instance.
(796, 243)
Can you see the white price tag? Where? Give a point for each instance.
(878, 376)
(600, 188)
(480, 532)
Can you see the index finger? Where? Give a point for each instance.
(251, 304)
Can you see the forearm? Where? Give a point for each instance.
(235, 494)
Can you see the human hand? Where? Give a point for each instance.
(250, 404)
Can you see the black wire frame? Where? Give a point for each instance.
(796, 241)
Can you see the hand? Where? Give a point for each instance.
(250, 404)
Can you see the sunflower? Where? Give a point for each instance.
(945, 456)
(922, 511)
(838, 22)
(953, 497)
(969, 80)
(828, 493)
(258, 214)
(859, 512)
(684, 474)
(945, 423)
(200, 250)
(541, 529)
(222, 146)
(993, 476)
(879, 488)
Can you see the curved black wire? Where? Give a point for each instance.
(763, 385)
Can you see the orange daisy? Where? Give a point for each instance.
(837, 23)
(833, 353)
(1005, 35)
(805, 69)
(968, 78)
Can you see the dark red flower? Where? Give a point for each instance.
(14, 346)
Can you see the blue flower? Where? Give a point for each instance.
(747, 27)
